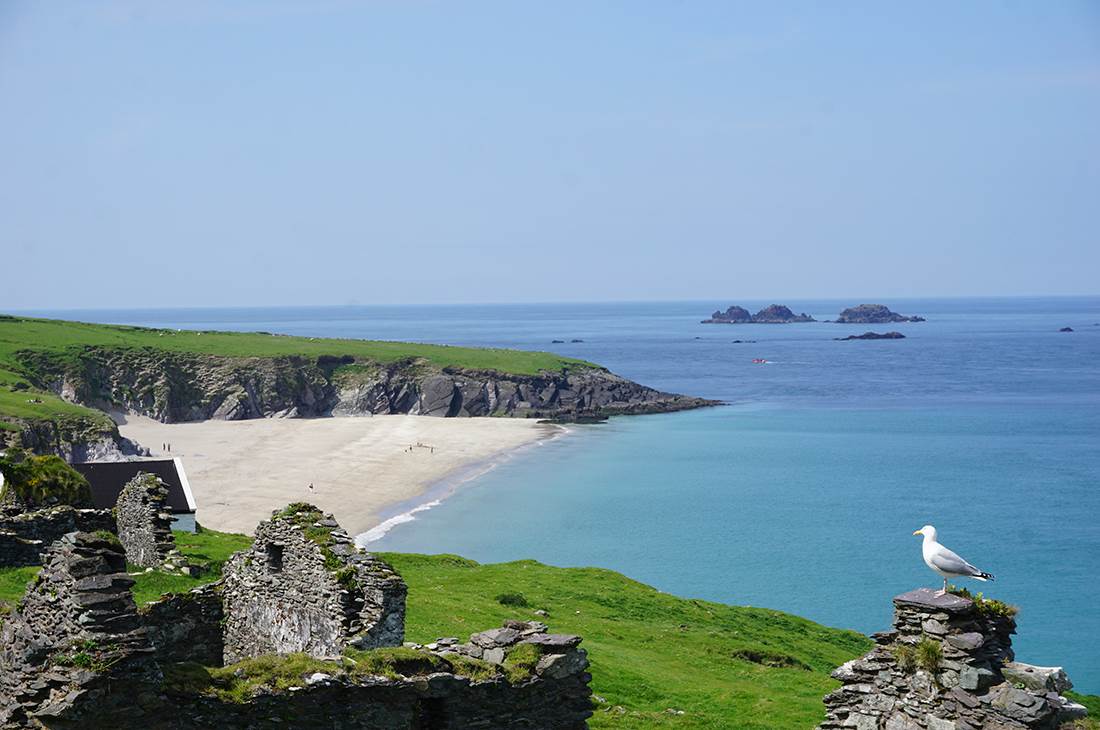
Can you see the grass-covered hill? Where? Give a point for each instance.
(20, 383)
(58, 378)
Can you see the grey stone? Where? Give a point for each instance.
(1033, 677)
(281, 596)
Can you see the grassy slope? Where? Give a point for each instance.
(651, 652)
(19, 333)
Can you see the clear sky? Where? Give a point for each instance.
(209, 152)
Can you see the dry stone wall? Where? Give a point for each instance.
(77, 654)
(24, 536)
(145, 521)
(946, 665)
(187, 627)
(77, 618)
(304, 586)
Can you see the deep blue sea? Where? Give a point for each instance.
(802, 494)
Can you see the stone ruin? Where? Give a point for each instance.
(141, 519)
(24, 536)
(144, 521)
(77, 616)
(947, 664)
(305, 586)
(77, 652)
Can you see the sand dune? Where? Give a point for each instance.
(241, 470)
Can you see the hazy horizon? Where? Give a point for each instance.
(337, 153)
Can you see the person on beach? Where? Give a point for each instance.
(311, 487)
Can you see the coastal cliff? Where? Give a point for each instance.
(58, 381)
(174, 387)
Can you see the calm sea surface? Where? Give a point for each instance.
(802, 494)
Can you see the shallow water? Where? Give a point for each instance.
(803, 493)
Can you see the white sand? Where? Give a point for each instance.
(241, 470)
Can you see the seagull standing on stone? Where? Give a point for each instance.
(944, 561)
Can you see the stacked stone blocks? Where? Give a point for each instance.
(304, 586)
(893, 687)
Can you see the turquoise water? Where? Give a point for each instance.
(803, 493)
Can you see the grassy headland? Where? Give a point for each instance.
(23, 396)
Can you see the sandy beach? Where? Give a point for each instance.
(241, 470)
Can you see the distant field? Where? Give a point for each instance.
(63, 337)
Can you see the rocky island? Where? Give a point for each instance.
(772, 314)
(873, 314)
(872, 336)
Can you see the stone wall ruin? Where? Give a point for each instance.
(145, 521)
(77, 654)
(305, 586)
(947, 664)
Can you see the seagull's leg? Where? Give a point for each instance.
(944, 591)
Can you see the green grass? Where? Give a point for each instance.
(207, 549)
(67, 339)
(650, 651)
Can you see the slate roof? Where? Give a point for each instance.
(108, 477)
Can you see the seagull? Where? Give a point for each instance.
(945, 562)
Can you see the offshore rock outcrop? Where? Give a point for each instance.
(873, 314)
(947, 664)
(872, 336)
(772, 314)
(174, 387)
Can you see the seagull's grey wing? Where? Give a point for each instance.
(949, 562)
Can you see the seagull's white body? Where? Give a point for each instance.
(945, 562)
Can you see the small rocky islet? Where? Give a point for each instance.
(872, 336)
(873, 314)
(781, 314)
(772, 314)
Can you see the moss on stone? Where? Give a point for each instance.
(520, 661)
(986, 606)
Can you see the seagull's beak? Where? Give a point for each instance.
(918, 532)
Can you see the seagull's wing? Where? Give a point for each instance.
(949, 562)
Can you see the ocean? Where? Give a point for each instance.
(803, 492)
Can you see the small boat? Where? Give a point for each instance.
(759, 361)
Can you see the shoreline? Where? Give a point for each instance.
(366, 471)
(446, 487)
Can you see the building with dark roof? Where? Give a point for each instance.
(107, 478)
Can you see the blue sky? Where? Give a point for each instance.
(252, 153)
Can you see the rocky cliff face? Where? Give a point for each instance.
(173, 387)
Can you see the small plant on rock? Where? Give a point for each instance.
(906, 656)
(928, 654)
